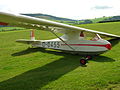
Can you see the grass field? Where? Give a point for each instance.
(22, 68)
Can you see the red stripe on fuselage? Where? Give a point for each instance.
(108, 46)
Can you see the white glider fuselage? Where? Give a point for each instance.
(75, 44)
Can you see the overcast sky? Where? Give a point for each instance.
(74, 9)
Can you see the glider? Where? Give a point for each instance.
(75, 40)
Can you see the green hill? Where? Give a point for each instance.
(72, 21)
(49, 17)
(111, 19)
(53, 18)
(96, 20)
(59, 19)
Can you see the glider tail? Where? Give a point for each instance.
(30, 41)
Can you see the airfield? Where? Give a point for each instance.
(24, 68)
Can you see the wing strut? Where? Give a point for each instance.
(62, 40)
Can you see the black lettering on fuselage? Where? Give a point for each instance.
(51, 44)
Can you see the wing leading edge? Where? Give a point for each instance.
(42, 24)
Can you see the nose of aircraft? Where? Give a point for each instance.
(108, 46)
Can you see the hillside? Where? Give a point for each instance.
(53, 18)
(111, 19)
(96, 20)
(59, 19)
(50, 17)
(71, 21)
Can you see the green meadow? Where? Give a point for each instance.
(24, 68)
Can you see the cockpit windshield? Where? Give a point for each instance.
(90, 36)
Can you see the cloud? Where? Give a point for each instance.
(102, 7)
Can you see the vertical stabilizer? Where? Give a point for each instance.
(32, 35)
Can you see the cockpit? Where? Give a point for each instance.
(89, 36)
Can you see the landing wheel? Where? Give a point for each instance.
(83, 61)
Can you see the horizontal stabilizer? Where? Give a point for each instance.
(25, 41)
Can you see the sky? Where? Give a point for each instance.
(73, 9)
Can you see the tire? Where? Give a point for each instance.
(83, 61)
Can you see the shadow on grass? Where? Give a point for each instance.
(114, 41)
(39, 77)
(32, 50)
(27, 51)
(103, 59)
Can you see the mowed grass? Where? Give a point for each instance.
(22, 68)
(111, 27)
